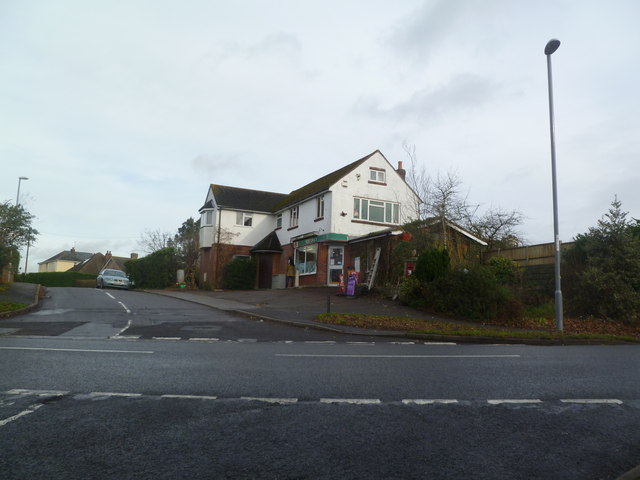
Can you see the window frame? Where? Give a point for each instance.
(320, 207)
(377, 176)
(362, 211)
(242, 218)
(294, 216)
(207, 218)
(279, 220)
(311, 248)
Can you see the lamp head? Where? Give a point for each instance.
(552, 46)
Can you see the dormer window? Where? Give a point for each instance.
(377, 175)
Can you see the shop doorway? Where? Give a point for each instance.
(336, 265)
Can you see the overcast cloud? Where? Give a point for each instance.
(122, 113)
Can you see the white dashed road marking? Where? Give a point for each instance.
(612, 401)
(115, 394)
(292, 400)
(391, 356)
(352, 401)
(40, 393)
(30, 409)
(419, 401)
(75, 350)
(125, 307)
(513, 401)
(281, 401)
(190, 397)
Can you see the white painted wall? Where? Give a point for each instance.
(306, 221)
(339, 199)
(262, 225)
(356, 184)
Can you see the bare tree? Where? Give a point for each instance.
(154, 240)
(444, 199)
(498, 227)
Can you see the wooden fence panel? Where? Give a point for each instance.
(542, 254)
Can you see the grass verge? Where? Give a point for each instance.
(441, 328)
(11, 306)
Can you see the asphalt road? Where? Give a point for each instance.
(268, 401)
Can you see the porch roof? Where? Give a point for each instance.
(269, 244)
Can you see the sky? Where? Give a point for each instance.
(122, 113)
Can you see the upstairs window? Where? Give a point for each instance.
(376, 211)
(320, 207)
(207, 218)
(293, 216)
(244, 219)
(377, 175)
(279, 220)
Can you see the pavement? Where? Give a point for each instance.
(26, 293)
(299, 306)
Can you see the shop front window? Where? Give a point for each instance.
(306, 259)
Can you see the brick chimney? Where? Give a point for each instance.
(134, 256)
(107, 256)
(401, 171)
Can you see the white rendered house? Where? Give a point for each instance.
(311, 225)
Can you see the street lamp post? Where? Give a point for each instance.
(18, 195)
(18, 203)
(549, 49)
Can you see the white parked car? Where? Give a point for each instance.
(113, 278)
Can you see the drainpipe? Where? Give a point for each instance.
(217, 275)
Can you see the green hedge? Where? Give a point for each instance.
(240, 274)
(157, 270)
(55, 279)
(478, 292)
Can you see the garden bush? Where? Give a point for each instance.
(432, 264)
(506, 271)
(157, 270)
(240, 274)
(473, 293)
(602, 270)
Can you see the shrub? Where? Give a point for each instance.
(473, 293)
(240, 274)
(603, 269)
(410, 291)
(157, 270)
(432, 264)
(506, 271)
